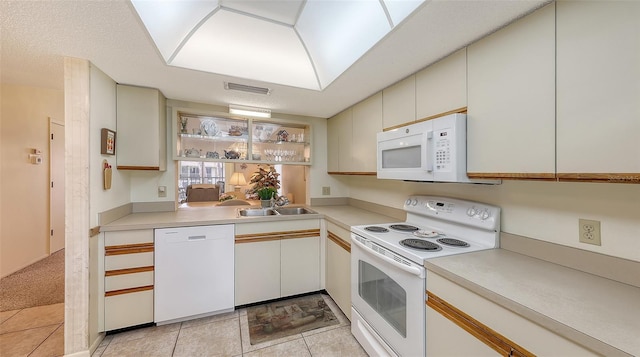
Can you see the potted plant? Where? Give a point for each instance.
(265, 194)
(265, 183)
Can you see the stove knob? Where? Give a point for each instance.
(485, 214)
(472, 212)
(408, 202)
(414, 202)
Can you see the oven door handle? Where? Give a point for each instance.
(409, 269)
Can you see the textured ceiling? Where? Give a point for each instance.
(37, 35)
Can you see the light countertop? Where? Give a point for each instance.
(598, 313)
(190, 215)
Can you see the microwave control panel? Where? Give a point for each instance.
(443, 145)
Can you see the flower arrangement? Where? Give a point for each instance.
(226, 197)
(264, 178)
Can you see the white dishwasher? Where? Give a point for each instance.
(194, 272)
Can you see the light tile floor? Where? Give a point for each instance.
(34, 332)
(228, 335)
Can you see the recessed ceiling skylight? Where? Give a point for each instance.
(299, 43)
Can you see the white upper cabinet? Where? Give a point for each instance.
(351, 138)
(598, 84)
(367, 122)
(399, 103)
(442, 87)
(141, 137)
(511, 100)
(339, 134)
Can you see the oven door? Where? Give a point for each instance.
(390, 297)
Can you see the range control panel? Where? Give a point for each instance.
(467, 212)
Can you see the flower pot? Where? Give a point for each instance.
(265, 203)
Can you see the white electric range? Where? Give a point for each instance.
(387, 267)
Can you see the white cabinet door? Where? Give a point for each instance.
(339, 130)
(257, 275)
(399, 103)
(367, 122)
(442, 87)
(300, 265)
(511, 100)
(598, 110)
(141, 136)
(338, 268)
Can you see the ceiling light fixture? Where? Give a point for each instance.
(298, 43)
(250, 111)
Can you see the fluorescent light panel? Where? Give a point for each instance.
(250, 111)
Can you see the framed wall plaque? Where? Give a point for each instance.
(108, 142)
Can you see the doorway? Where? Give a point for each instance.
(56, 186)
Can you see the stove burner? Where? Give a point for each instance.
(377, 229)
(420, 244)
(453, 242)
(404, 227)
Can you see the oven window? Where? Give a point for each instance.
(384, 295)
(401, 158)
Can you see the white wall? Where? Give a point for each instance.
(103, 115)
(24, 187)
(547, 211)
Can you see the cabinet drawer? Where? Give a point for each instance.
(126, 310)
(125, 261)
(128, 237)
(127, 281)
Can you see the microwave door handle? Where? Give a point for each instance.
(429, 151)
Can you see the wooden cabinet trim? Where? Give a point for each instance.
(339, 241)
(128, 249)
(147, 168)
(542, 176)
(632, 177)
(128, 271)
(269, 236)
(482, 332)
(352, 173)
(128, 291)
(454, 111)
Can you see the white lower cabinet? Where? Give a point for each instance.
(338, 267)
(128, 278)
(257, 273)
(271, 262)
(462, 323)
(128, 310)
(299, 265)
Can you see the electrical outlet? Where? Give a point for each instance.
(589, 231)
(326, 190)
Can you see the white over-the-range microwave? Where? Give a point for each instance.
(433, 151)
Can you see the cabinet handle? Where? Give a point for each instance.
(202, 237)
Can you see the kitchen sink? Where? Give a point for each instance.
(285, 211)
(293, 210)
(252, 212)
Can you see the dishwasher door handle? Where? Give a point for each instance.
(201, 237)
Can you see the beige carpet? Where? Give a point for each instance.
(41, 283)
(288, 317)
